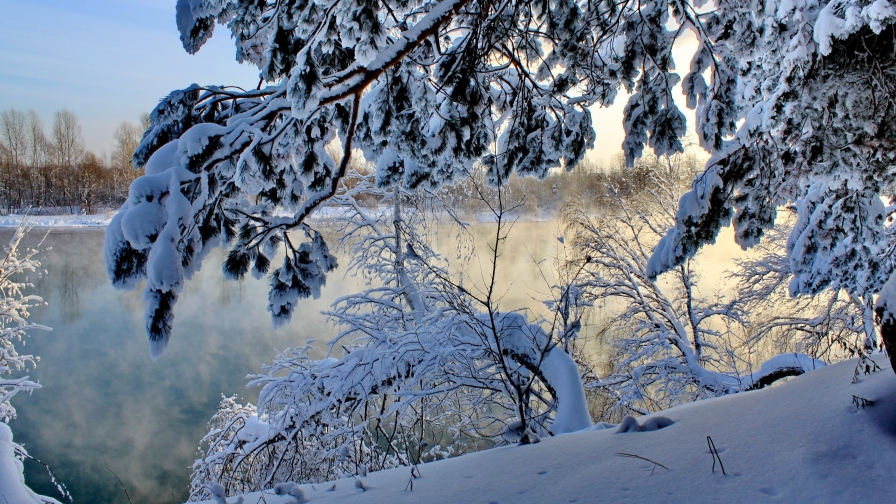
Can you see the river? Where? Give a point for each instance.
(106, 407)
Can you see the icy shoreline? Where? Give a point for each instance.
(99, 221)
(57, 221)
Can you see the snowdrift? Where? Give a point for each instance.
(821, 437)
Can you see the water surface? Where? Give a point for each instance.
(105, 403)
(106, 406)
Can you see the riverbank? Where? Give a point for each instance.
(812, 439)
(57, 221)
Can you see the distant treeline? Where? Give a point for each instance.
(53, 172)
(592, 185)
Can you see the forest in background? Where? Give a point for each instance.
(52, 171)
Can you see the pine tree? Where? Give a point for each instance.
(812, 83)
(797, 109)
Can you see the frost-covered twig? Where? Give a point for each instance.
(14, 324)
(126, 494)
(418, 355)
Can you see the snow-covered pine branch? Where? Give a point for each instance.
(799, 110)
(425, 89)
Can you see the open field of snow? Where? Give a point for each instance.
(802, 441)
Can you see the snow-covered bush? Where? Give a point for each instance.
(426, 365)
(674, 343)
(14, 324)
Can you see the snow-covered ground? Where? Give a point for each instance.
(12, 479)
(57, 221)
(802, 441)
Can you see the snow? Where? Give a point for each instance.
(830, 24)
(562, 372)
(12, 479)
(57, 221)
(164, 158)
(802, 441)
(886, 300)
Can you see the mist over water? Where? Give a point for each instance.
(106, 404)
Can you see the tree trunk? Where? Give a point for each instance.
(888, 333)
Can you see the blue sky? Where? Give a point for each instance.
(108, 61)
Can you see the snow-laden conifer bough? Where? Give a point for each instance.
(798, 109)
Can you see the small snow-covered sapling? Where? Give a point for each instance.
(861, 402)
(862, 367)
(415, 473)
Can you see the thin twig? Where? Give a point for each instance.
(120, 483)
(654, 462)
(715, 455)
(57, 482)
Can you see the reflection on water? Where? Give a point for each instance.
(106, 404)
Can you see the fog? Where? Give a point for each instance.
(106, 404)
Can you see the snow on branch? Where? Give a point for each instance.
(793, 102)
(674, 343)
(418, 357)
(14, 325)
